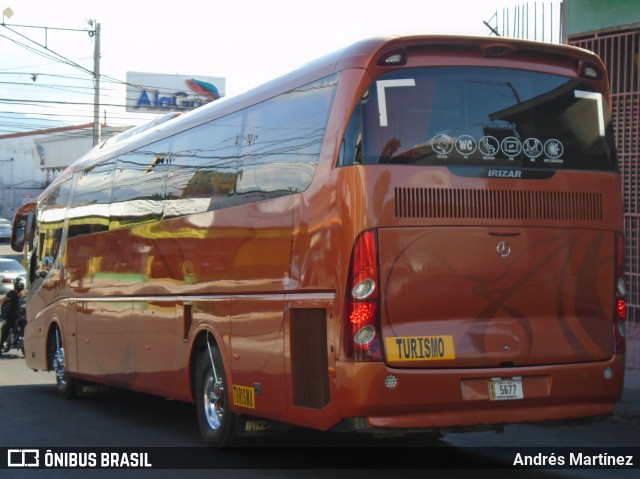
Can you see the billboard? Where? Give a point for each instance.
(162, 93)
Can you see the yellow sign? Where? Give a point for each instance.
(420, 348)
(244, 396)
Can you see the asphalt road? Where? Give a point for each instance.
(33, 416)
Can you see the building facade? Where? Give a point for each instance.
(29, 161)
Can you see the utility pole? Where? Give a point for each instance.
(96, 86)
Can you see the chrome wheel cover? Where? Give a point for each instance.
(58, 366)
(213, 401)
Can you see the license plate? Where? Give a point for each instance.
(505, 389)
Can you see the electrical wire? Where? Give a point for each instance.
(38, 91)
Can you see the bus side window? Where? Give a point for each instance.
(204, 171)
(88, 210)
(351, 151)
(139, 186)
(282, 139)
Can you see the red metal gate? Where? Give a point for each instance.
(620, 53)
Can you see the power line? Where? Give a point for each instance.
(51, 54)
(52, 102)
(63, 59)
(39, 99)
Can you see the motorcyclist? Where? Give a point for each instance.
(13, 297)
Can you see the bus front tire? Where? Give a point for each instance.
(65, 385)
(215, 419)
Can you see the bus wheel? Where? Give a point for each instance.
(215, 419)
(65, 384)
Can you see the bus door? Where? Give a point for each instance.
(257, 347)
(155, 334)
(104, 341)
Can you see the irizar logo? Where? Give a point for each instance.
(495, 173)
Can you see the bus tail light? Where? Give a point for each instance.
(362, 305)
(620, 314)
(590, 71)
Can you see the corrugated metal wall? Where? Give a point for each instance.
(620, 53)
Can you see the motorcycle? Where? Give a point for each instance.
(15, 340)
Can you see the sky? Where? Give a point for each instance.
(245, 41)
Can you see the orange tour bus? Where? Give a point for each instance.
(419, 233)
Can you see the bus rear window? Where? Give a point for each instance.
(478, 116)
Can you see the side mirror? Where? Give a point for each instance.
(23, 226)
(17, 239)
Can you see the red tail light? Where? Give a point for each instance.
(620, 314)
(362, 308)
(622, 309)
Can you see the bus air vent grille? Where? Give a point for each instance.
(309, 357)
(497, 204)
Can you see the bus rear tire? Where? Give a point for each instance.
(215, 418)
(65, 385)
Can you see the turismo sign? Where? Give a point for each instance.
(162, 93)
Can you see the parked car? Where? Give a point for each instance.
(5, 230)
(9, 270)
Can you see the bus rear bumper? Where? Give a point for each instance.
(460, 399)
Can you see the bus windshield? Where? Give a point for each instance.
(480, 116)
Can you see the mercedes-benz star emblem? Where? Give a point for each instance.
(503, 249)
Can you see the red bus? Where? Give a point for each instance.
(415, 233)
